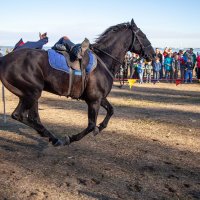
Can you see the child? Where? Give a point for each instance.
(188, 70)
(168, 67)
(157, 68)
(148, 72)
(140, 70)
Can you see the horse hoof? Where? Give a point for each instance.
(67, 140)
(58, 143)
(96, 131)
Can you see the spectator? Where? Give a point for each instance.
(193, 57)
(156, 69)
(168, 67)
(148, 68)
(126, 65)
(188, 70)
(165, 53)
(140, 70)
(162, 65)
(133, 64)
(198, 65)
(183, 59)
(175, 67)
(160, 56)
(170, 51)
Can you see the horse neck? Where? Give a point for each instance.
(117, 47)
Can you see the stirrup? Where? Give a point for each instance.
(74, 52)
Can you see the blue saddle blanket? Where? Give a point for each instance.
(58, 61)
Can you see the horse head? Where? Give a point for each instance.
(115, 41)
(140, 44)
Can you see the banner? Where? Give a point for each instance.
(131, 82)
(178, 81)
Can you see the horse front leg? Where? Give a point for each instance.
(93, 109)
(110, 111)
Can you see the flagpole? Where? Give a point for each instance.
(4, 104)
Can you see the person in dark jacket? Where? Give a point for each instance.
(33, 45)
(188, 70)
(175, 67)
(160, 56)
(65, 44)
(156, 69)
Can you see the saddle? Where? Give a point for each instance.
(78, 70)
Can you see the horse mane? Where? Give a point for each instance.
(106, 34)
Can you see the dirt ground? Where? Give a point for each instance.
(150, 149)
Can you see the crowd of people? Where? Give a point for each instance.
(167, 65)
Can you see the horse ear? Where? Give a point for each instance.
(132, 22)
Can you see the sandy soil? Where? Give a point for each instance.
(150, 150)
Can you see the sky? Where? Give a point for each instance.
(171, 23)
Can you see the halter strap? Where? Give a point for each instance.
(134, 37)
(104, 65)
(102, 51)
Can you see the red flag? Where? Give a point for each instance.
(178, 81)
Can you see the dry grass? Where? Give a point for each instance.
(150, 150)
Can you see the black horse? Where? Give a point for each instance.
(26, 73)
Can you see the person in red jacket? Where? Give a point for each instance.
(198, 65)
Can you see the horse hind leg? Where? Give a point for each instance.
(34, 122)
(27, 113)
(19, 113)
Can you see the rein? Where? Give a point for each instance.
(115, 59)
(104, 65)
(134, 37)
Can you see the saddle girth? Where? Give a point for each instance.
(77, 76)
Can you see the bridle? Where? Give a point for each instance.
(134, 37)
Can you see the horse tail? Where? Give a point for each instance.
(4, 81)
